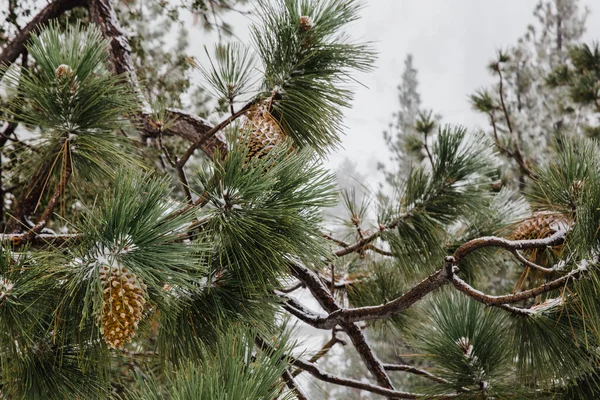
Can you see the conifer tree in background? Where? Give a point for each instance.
(409, 135)
(526, 114)
(115, 285)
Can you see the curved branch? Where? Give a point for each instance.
(330, 378)
(516, 297)
(416, 371)
(494, 241)
(533, 265)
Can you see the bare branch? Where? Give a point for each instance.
(494, 241)
(330, 378)
(416, 371)
(533, 265)
(516, 297)
(291, 384)
(326, 300)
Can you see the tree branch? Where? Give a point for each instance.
(185, 125)
(326, 300)
(416, 371)
(291, 384)
(53, 10)
(494, 241)
(516, 297)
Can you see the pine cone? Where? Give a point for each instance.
(124, 299)
(265, 132)
(541, 225)
(64, 72)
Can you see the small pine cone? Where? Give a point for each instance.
(64, 72)
(265, 132)
(124, 299)
(305, 23)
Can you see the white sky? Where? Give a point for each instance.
(452, 41)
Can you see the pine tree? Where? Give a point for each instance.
(526, 114)
(123, 279)
(411, 131)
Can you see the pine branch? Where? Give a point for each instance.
(390, 393)
(17, 45)
(185, 125)
(431, 283)
(520, 296)
(315, 371)
(291, 383)
(416, 371)
(40, 240)
(326, 300)
(494, 241)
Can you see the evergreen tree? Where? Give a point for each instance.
(114, 284)
(525, 113)
(410, 134)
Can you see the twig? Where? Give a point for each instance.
(315, 371)
(517, 154)
(41, 239)
(326, 300)
(494, 241)
(292, 288)
(516, 297)
(416, 371)
(188, 153)
(291, 384)
(533, 265)
(184, 184)
(322, 352)
(58, 193)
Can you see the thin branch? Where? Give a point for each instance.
(501, 92)
(208, 135)
(293, 386)
(494, 241)
(378, 250)
(42, 239)
(516, 297)
(416, 371)
(533, 265)
(427, 149)
(517, 154)
(58, 193)
(322, 352)
(335, 240)
(184, 184)
(326, 300)
(330, 378)
(292, 288)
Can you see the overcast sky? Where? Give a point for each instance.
(452, 41)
